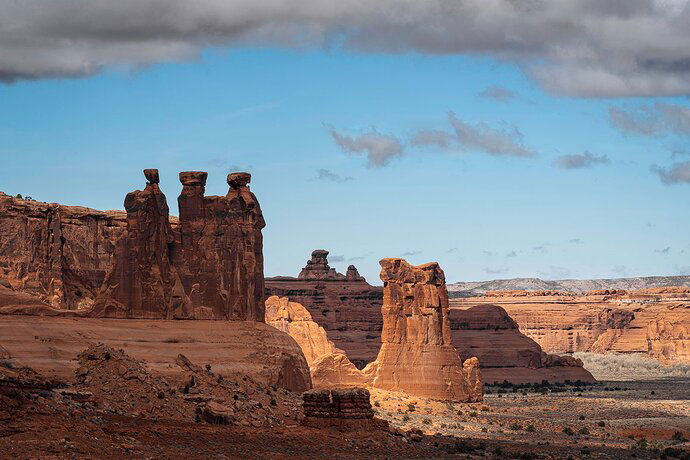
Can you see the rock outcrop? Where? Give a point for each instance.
(219, 254)
(212, 268)
(346, 306)
(143, 283)
(58, 254)
(342, 408)
(417, 355)
(488, 333)
(328, 365)
(653, 321)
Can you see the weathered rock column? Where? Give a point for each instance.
(417, 355)
(143, 283)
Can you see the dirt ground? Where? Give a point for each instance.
(117, 409)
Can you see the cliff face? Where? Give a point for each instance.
(488, 333)
(346, 306)
(654, 321)
(417, 355)
(59, 254)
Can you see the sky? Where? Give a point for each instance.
(500, 138)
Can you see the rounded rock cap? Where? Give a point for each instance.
(239, 179)
(194, 178)
(151, 176)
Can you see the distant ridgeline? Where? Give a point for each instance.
(476, 288)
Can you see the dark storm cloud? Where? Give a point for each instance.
(577, 47)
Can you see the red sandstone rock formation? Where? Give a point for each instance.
(417, 355)
(346, 306)
(59, 254)
(219, 252)
(211, 269)
(342, 408)
(143, 283)
(653, 321)
(488, 333)
(328, 365)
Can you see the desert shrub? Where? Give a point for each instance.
(567, 430)
(443, 425)
(641, 443)
(583, 431)
(426, 421)
(406, 418)
(514, 426)
(601, 423)
(530, 428)
(411, 407)
(581, 417)
(377, 404)
(473, 414)
(678, 436)
(484, 429)
(459, 412)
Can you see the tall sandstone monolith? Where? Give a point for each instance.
(220, 250)
(209, 267)
(143, 283)
(417, 355)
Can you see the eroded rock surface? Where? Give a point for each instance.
(417, 355)
(346, 306)
(348, 408)
(143, 283)
(58, 254)
(488, 333)
(328, 365)
(654, 321)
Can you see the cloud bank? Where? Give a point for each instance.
(584, 48)
(581, 161)
(378, 148)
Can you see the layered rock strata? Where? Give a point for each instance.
(343, 408)
(346, 306)
(417, 355)
(58, 254)
(488, 333)
(654, 321)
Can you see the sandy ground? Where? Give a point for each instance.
(588, 419)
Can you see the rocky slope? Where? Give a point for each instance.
(475, 288)
(654, 321)
(50, 346)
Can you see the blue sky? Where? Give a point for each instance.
(272, 111)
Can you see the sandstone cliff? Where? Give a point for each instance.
(488, 333)
(329, 366)
(417, 355)
(653, 321)
(59, 254)
(346, 306)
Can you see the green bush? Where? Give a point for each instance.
(514, 426)
(530, 428)
(583, 431)
(601, 423)
(406, 418)
(567, 430)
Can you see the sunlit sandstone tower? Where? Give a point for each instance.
(209, 267)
